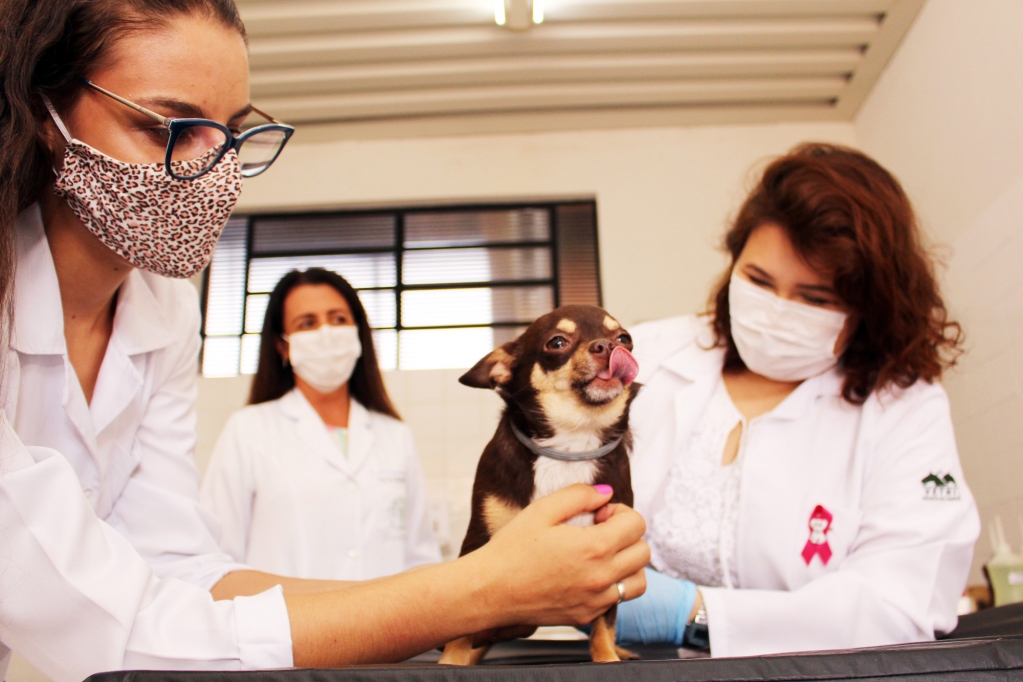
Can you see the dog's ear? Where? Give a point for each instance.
(494, 370)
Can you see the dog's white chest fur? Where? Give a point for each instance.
(551, 475)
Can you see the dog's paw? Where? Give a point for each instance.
(626, 655)
(605, 656)
(459, 652)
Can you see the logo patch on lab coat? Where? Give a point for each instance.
(396, 514)
(939, 487)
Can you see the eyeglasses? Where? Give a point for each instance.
(190, 139)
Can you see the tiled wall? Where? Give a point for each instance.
(451, 424)
(985, 290)
(944, 120)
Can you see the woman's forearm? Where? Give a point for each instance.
(393, 618)
(248, 583)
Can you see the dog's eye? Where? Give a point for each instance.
(624, 338)
(557, 343)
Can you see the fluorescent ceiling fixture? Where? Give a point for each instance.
(518, 15)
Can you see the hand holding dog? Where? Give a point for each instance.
(534, 571)
(545, 573)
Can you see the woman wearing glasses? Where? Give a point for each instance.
(121, 157)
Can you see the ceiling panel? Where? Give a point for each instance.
(352, 62)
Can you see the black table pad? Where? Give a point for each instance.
(982, 659)
(1003, 620)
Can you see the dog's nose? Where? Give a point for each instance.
(602, 347)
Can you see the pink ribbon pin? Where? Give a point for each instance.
(820, 524)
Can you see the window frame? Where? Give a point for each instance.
(399, 249)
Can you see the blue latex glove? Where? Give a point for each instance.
(660, 615)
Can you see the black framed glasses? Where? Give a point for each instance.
(196, 145)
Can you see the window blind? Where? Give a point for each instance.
(441, 286)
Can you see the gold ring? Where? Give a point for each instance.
(621, 591)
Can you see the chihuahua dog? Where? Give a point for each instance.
(567, 383)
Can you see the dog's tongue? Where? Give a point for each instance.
(621, 365)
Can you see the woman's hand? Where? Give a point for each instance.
(534, 571)
(542, 572)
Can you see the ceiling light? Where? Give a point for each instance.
(518, 15)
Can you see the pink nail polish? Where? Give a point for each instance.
(603, 489)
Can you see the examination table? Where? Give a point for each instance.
(986, 646)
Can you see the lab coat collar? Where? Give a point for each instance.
(360, 435)
(312, 429)
(799, 402)
(38, 313)
(696, 356)
(140, 324)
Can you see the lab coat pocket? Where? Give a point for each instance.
(393, 485)
(122, 465)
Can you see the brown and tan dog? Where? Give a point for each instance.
(567, 383)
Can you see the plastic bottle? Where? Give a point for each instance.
(1005, 569)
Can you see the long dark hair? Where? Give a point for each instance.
(847, 215)
(46, 48)
(273, 378)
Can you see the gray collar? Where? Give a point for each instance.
(564, 456)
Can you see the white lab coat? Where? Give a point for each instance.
(123, 598)
(900, 556)
(77, 599)
(290, 502)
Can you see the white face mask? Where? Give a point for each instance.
(325, 357)
(779, 339)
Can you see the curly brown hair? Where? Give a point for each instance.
(848, 216)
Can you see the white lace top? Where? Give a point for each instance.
(693, 536)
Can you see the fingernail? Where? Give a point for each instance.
(603, 489)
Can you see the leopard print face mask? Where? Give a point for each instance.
(156, 223)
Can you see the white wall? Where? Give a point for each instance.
(663, 195)
(947, 118)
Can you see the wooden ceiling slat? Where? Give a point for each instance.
(877, 55)
(609, 38)
(560, 68)
(551, 97)
(366, 62)
(295, 17)
(590, 10)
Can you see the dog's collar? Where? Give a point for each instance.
(564, 456)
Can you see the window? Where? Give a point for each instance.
(442, 286)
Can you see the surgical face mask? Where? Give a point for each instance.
(156, 223)
(779, 339)
(325, 357)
